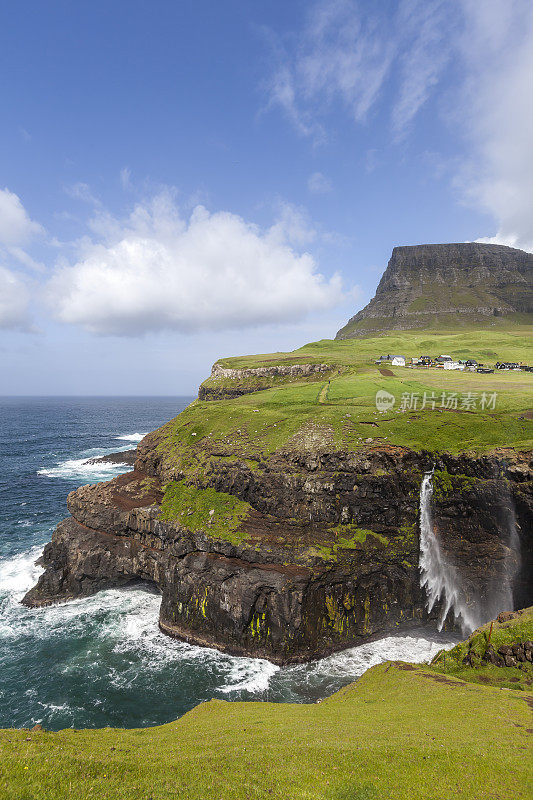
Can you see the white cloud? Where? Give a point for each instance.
(345, 54)
(339, 56)
(82, 191)
(157, 270)
(425, 28)
(351, 56)
(16, 227)
(14, 299)
(317, 183)
(125, 177)
(497, 113)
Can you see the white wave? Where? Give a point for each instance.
(320, 678)
(356, 660)
(19, 573)
(79, 469)
(249, 675)
(131, 437)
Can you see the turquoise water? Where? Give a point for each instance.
(102, 660)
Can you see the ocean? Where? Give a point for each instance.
(102, 661)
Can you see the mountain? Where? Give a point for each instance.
(444, 286)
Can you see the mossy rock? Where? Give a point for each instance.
(216, 514)
(467, 660)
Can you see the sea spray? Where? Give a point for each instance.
(439, 578)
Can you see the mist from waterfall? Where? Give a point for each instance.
(441, 580)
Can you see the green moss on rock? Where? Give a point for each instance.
(446, 485)
(217, 514)
(467, 659)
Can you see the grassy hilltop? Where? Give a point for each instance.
(402, 732)
(337, 408)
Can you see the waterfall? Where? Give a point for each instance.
(513, 556)
(440, 579)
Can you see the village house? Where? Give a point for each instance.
(446, 362)
(453, 365)
(441, 360)
(395, 361)
(398, 361)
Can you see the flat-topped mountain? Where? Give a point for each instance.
(446, 285)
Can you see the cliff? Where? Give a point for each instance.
(285, 522)
(303, 555)
(449, 285)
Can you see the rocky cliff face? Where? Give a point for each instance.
(226, 383)
(325, 557)
(446, 285)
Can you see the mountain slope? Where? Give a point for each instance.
(444, 286)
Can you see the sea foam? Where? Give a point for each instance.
(79, 469)
(126, 619)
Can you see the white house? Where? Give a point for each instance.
(398, 361)
(453, 365)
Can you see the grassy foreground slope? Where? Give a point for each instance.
(401, 732)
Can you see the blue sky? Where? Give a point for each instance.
(185, 180)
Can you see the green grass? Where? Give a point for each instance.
(483, 345)
(347, 537)
(216, 514)
(519, 629)
(341, 413)
(254, 426)
(401, 733)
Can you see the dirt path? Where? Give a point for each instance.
(323, 396)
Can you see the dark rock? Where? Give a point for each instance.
(223, 392)
(238, 382)
(287, 591)
(490, 656)
(125, 457)
(505, 616)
